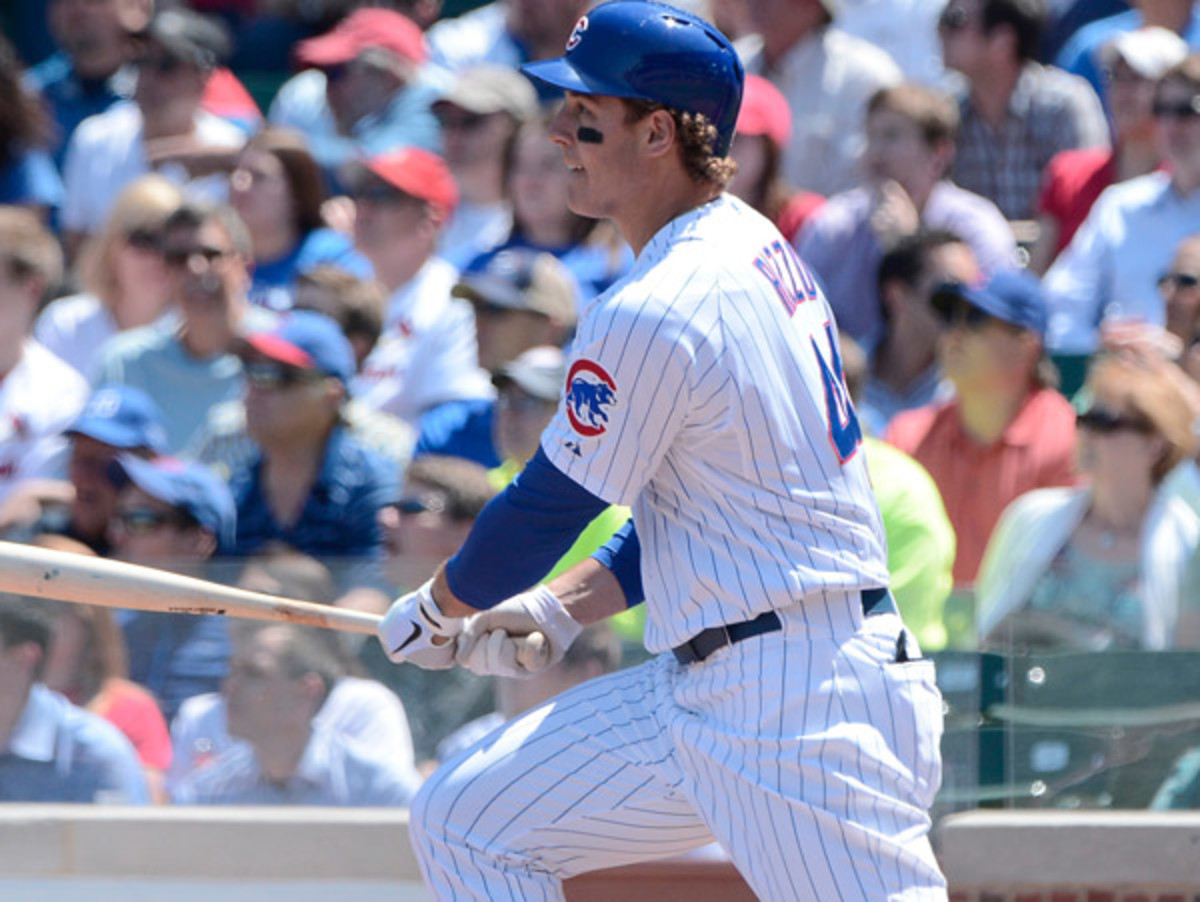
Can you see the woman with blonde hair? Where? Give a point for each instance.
(1101, 566)
(125, 278)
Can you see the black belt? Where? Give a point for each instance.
(705, 642)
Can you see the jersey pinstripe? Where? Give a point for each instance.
(706, 393)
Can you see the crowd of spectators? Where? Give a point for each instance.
(290, 291)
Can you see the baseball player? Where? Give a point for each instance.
(788, 713)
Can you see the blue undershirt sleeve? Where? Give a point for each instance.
(521, 534)
(622, 554)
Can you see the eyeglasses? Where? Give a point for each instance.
(180, 256)
(1104, 421)
(1172, 280)
(954, 18)
(140, 521)
(431, 503)
(269, 375)
(1181, 109)
(467, 122)
(145, 240)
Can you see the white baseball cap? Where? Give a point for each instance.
(1147, 51)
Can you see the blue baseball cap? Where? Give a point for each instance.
(188, 486)
(309, 341)
(124, 417)
(1011, 296)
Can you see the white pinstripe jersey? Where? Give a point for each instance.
(705, 391)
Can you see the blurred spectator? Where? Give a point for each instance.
(528, 389)
(1099, 567)
(442, 496)
(1006, 429)
(1067, 17)
(366, 90)
(357, 709)
(88, 663)
(1133, 62)
(277, 189)
(903, 373)
(910, 145)
(1083, 54)
(280, 676)
(479, 115)
(522, 298)
(1110, 269)
(28, 176)
(356, 305)
(764, 128)
(125, 278)
(1016, 113)
(505, 32)
(905, 29)
(920, 539)
(1180, 287)
(595, 652)
(797, 47)
(175, 516)
(427, 354)
(51, 750)
(165, 129)
(190, 367)
(39, 395)
(88, 73)
(118, 419)
(311, 485)
(537, 182)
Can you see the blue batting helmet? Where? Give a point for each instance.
(648, 51)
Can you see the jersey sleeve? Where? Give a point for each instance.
(627, 395)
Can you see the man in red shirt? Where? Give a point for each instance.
(1007, 430)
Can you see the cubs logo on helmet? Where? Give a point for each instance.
(590, 392)
(577, 33)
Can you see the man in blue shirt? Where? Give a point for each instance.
(50, 750)
(311, 485)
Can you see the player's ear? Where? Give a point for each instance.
(659, 133)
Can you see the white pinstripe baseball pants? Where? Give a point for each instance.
(812, 758)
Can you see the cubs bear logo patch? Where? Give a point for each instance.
(590, 392)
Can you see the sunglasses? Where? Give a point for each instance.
(269, 375)
(179, 256)
(1104, 421)
(381, 194)
(1172, 280)
(963, 314)
(159, 65)
(145, 240)
(1183, 109)
(420, 504)
(954, 18)
(522, 403)
(467, 122)
(140, 521)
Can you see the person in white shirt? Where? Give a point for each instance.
(40, 396)
(426, 355)
(161, 130)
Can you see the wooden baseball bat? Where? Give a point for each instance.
(61, 575)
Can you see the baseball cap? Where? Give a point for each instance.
(489, 88)
(1012, 296)
(186, 485)
(306, 340)
(188, 36)
(369, 27)
(539, 371)
(648, 51)
(419, 173)
(765, 111)
(521, 279)
(1147, 51)
(124, 417)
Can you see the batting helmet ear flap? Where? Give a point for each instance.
(647, 51)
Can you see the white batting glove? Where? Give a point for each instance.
(412, 623)
(503, 641)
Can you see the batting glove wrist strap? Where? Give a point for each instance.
(415, 630)
(551, 617)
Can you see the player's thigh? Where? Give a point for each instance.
(585, 781)
(813, 762)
